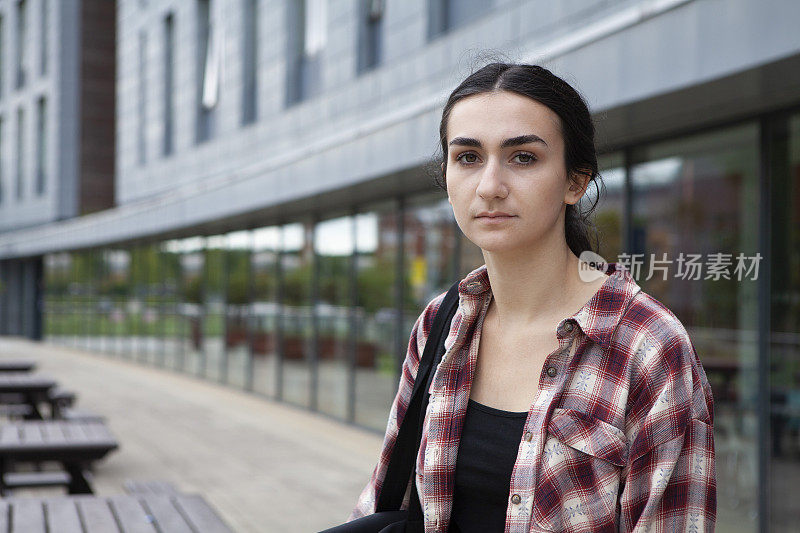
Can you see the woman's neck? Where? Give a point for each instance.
(534, 287)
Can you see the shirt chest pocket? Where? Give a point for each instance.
(579, 472)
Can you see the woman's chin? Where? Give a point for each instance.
(497, 244)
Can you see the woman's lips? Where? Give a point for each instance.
(494, 218)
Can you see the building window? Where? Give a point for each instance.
(142, 118)
(20, 153)
(309, 18)
(169, 82)
(208, 58)
(45, 38)
(41, 145)
(250, 67)
(370, 39)
(2, 55)
(2, 159)
(447, 15)
(22, 56)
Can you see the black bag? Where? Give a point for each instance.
(388, 517)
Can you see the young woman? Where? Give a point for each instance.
(564, 402)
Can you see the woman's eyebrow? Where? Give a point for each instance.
(512, 141)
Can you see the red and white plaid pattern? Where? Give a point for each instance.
(621, 439)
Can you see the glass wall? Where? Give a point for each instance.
(174, 327)
(695, 229)
(430, 254)
(378, 242)
(265, 309)
(215, 273)
(297, 316)
(334, 245)
(784, 342)
(237, 308)
(118, 264)
(608, 211)
(192, 261)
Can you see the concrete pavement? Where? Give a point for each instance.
(263, 465)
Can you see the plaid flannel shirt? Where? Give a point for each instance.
(618, 438)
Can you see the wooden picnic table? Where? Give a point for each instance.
(164, 513)
(72, 443)
(17, 365)
(32, 387)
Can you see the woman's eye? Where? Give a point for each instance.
(525, 159)
(468, 158)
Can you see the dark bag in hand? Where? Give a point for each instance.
(388, 517)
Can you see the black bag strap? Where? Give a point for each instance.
(406, 448)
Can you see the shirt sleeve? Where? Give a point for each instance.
(670, 477)
(416, 345)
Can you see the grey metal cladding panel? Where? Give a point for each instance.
(391, 149)
(693, 43)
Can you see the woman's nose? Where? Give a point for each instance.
(491, 183)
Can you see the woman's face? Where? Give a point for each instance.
(506, 177)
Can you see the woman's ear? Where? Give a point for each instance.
(579, 181)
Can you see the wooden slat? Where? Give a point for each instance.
(132, 517)
(97, 516)
(31, 433)
(9, 435)
(166, 515)
(54, 433)
(27, 516)
(200, 515)
(62, 516)
(4, 516)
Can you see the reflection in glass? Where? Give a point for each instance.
(172, 324)
(431, 259)
(265, 309)
(378, 244)
(118, 264)
(334, 243)
(699, 195)
(297, 320)
(192, 260)
(785, 325)
(214, 308)
(152, 323)
(237, 347)
(610, 206)
(58, 318)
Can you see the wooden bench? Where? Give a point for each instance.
(73, 444)
(25, 388)
(166, 513)
(17, 365)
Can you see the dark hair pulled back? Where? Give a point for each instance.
(577, 128)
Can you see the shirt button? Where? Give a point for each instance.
(568, 327)
(528, 436)
(552, 371)
(515, 499)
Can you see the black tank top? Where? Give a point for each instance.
(486, 456)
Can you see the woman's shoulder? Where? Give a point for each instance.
(660, 347)
(655, 339)
(651, 318)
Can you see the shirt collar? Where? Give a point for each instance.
(597, 318)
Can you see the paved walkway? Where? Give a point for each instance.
(264, 466)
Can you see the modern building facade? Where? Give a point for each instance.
(57, 110)
(275, 226)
